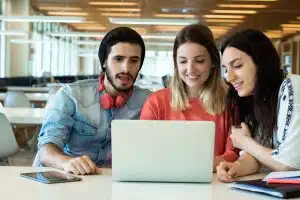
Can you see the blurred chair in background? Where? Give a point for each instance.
(16, 99)
(8, 143)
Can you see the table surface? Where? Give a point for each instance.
(101, 187)
(24, 115)
(31, 96)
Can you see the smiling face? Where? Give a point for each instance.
(194, 65)
(241, 71)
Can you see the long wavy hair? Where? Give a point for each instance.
(260, 110)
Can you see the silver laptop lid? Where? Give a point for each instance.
(163, 151)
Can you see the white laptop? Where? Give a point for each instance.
(162, 151)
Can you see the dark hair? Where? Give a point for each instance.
(120, 34)
(200, 34)
(258, 111)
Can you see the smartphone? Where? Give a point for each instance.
(50, 177)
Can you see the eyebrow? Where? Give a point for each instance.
(194, 57)
(231, 62)
(135, 57)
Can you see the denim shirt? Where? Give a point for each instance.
(76, 123)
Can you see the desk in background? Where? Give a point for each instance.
(102, 187)
(25, 116)
(34, 97)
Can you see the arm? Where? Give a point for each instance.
(287, 133)
(264, 155)
(230, 154)
(244, 166)
(55, 133)
(51, 156)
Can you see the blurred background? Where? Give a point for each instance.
(43, 41)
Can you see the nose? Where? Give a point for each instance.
(125, 66)
(230, 76)
(191, 67)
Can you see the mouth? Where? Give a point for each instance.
(192, 77)
(124, 79)
(237, 86)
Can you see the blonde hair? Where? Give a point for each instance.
(213, 94)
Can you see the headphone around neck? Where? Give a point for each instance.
(107, 101)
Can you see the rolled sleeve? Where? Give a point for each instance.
(58, 121)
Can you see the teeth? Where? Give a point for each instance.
(191, 76)
(237, 85)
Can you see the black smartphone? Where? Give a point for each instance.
(50, 177)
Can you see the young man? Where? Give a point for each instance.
(76, 133)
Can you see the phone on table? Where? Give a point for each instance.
(50, 177)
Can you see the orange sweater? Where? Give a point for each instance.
(157, 107)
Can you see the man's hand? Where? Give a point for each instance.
(227, 171)
(82, 165)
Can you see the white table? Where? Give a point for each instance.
(41, 97)
(28, 89)
(24, 115)
(101, 187)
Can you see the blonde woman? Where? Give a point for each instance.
(197, 90)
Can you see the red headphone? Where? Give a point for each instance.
(107, 101)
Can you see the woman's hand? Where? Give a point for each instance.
(228, 171)
(239, 136)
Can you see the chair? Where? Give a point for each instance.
(16, 99)
(8, 143)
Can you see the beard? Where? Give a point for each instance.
(112, 80)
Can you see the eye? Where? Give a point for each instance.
(118, 58)
(237, 66)
(134, 60)
(182, 61)
(200, 61)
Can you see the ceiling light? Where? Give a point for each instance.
(254, 0)
(167, 44)
(235, 11)
(224, 20)
(241, 6)
(168, 28)
(120, 9)
(290, 25)
(14, 33)
(152, 21)
(121, 14)
(68, 13)
(225, 16)
(175, 15)
(58, 19)
(164, 37)
(77, 34)
(113, 3)
(60, 8)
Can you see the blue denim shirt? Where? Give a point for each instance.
(76, 123)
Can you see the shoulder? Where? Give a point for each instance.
(81, 91)
(161, 95)
(289, 90)
(141, 92)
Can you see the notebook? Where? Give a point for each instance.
(292, 177)
(274, 189)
